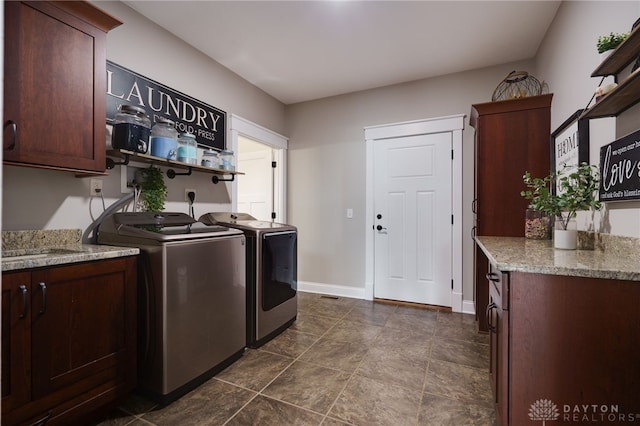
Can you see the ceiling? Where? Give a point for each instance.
(303, 50)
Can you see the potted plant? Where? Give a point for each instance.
(541, 212)
(153, 191)
(576, 189)
(610, 41)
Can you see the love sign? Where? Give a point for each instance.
(620, 169)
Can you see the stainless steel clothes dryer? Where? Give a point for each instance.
(191, 298)
(272, 275)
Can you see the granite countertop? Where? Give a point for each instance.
(36, 249)
(618, 259)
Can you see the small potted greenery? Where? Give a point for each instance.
(610, 41)
(153, 191)
(576, 189)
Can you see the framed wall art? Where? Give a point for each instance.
(127, 87)
(620, 169)
(570, 142)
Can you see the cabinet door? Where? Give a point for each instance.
(54, 88)
(511, 137)
(498, 322)
(83, 326)
(16, 343)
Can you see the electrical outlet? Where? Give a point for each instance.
(186, 194)
(95, 187)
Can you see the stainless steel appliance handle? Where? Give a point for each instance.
(273, 234)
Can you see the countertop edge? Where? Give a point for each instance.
(545, 264)
(82, 253)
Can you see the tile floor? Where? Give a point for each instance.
(344, 362)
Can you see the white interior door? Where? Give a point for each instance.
(413, 214)
(255, 187)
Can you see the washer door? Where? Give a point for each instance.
(279, 268)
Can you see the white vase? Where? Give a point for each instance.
(566, 239)
(604, 55)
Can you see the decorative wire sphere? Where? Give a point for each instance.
(518, 84)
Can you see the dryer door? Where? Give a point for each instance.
(279, 268)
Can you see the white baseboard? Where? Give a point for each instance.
(332, 289)
(468, 307)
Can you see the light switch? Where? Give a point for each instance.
(349, 213)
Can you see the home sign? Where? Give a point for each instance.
(620, 169)
(124, 86)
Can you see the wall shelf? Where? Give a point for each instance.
(622, 55)
(127, 156)
(627, 93)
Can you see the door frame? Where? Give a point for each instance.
(239, 126)
(453, 124)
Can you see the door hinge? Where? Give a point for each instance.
(451, 284)
(274, 164)
(273, 215)
(452, 219)
(452, 154)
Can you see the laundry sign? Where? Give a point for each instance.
(125, 87)
(620, 169)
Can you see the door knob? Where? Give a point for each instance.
(380, 227)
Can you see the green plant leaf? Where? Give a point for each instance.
(578, 187)
(153, 189)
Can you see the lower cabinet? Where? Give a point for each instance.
(564, 348)
(68, 341)
(498, 325)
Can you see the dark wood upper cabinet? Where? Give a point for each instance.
(55, 84)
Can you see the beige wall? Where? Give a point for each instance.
(42, 199)
(327, 166)
(566, 59)
(327, 152)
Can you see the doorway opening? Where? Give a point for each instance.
(261, 156)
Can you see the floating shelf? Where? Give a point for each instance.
(127, 156)
(622, 55)
(626, 95)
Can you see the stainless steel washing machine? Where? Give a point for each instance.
(272, 274)
(191, 298)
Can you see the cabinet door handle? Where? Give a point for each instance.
(473, 233)
(43, 420)
(23, 290)
(43, 286)
(490, 307)
(474, 206)
(14, 132)
(492, 276)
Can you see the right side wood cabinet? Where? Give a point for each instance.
(564, 348)
(511, 137)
